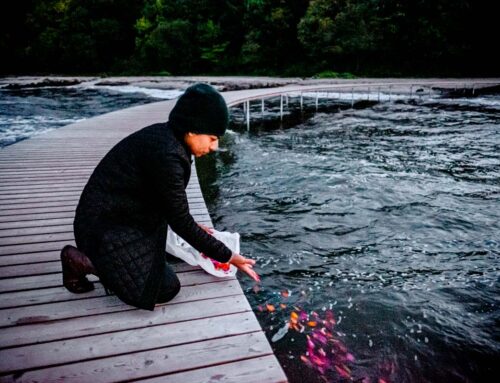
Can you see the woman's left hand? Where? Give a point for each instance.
(208, 230)
(245, 265)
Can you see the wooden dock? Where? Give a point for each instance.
(207, 333)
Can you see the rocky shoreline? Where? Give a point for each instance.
(451, 87)
(223, 84)
(159, 82)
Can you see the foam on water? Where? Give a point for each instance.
(161, 94)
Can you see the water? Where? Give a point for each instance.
(386, 215)
(27, 112)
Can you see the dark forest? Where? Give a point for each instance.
(323, 38)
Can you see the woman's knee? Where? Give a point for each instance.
(169, 288)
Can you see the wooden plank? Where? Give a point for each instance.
(256, 370)
(42, 165)
(14, 195)
(45, 167)
(35, 224)
(23, 259)
(43, 296)
(54, 187)
(16, 172)
(31, 220)
(19, 202)
(36, 207)
(126, 341)
(59, 294)
(138, 365)
(91, 306)
(60, 175)
(22, 207)
(15, 198)
(35, 217)
(39, 268)
(46, 229)
(30, 263)
(48, 213)
(44, 180)
(32, 158)
(41, 178)
(34, 248)
(46, 186)
(36, 238)
(34, 234)
(216, 302)
(54, 280)
(29, 283)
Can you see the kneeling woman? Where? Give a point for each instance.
(138, 189)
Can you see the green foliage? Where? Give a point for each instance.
(272, 37)
(333, 74)
(78, 35)
(270, 41)
(170, 35)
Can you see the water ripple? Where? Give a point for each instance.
(388, 215)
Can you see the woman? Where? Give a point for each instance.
(138, 189)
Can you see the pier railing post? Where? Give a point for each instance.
(281, 106)
(262, 106)
(317, 96)
(301, 101)
(352, 97)
(248, 114)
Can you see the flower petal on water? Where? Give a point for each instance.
(280, 333)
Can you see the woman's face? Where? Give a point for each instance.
(201, 144)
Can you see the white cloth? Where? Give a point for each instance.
(183, 250)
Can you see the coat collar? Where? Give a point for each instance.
(180, 139)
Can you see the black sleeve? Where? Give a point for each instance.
(169, 180)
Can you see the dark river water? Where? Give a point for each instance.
(28, 112)
(376, 229)
(385, 218)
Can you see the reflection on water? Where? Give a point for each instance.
(386, 215)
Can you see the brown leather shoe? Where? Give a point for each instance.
(75, 266)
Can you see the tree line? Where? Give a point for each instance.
(251, 37)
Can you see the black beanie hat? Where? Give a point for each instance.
(201, 109)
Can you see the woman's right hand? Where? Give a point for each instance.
(245, 265)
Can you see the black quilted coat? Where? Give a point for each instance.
(121, 220)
